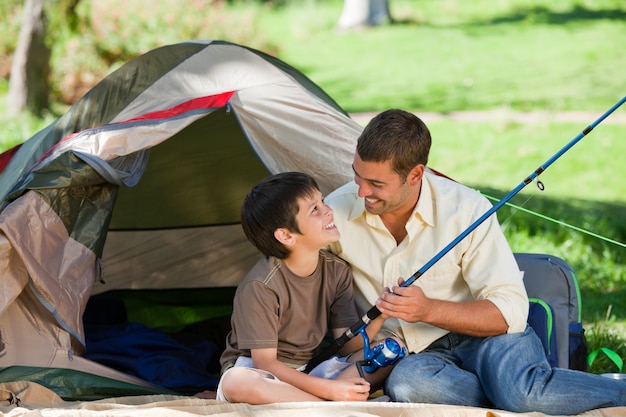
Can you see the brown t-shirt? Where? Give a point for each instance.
(274, 308)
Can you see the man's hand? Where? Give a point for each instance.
(405, 303)
(475, 318)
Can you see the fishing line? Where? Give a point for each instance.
(373, 312)
(540, 186)
(517, 207)
(559, 222)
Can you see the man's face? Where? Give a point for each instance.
(384, 191)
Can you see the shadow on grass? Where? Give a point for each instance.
(537, 14)
(599, 259)
(541, 14)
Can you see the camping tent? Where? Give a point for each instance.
(138, 186)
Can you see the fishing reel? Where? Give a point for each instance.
(386, 353)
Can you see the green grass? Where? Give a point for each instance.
(502, 154)
(463, 55)
(440, 56)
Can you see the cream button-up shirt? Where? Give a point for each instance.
(480, 266)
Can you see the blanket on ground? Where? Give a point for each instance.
(27, 399)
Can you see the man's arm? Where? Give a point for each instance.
(474, 318)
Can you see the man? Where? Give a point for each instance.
(464, 320)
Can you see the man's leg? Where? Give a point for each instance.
(517, 377)
(434, 377)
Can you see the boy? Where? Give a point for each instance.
(284, 306)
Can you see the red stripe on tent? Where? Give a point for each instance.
(5, 157)
(215, 101)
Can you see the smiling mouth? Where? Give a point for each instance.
(329, 226)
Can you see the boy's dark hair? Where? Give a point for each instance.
(273, 204)
(398, 136)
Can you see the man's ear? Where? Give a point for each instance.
(416, 174)
(284, 236)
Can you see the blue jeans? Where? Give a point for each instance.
(507, 372)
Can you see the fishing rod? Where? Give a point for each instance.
(374, 312)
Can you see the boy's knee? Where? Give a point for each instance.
(234, 383)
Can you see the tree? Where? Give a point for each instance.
(29, 80)
(359, 13)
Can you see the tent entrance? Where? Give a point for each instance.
(170, 338)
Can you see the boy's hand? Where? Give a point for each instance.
(349, 389)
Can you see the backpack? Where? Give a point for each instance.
(541, 319)
(555, 309)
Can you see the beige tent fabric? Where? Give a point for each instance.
(323, 148)
(29, 333)
(61, 271)
(199, 257)
(25, 399)
(29, 336)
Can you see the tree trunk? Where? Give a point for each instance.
(359, 13)
(29, 80)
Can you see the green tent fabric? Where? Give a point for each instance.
(72, 385)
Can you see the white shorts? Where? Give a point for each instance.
(329, 369)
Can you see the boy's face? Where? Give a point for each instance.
(315, 220)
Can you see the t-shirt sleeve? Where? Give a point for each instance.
(255, 311)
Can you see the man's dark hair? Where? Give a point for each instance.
(397, 136)
(273, 204)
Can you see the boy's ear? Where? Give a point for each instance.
(284, 236)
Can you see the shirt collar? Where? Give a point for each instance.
(425, 207)
(358, 208)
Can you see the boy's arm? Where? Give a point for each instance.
(348, 389)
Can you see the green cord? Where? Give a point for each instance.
(606, 239)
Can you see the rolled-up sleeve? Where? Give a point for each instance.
(491, 272)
